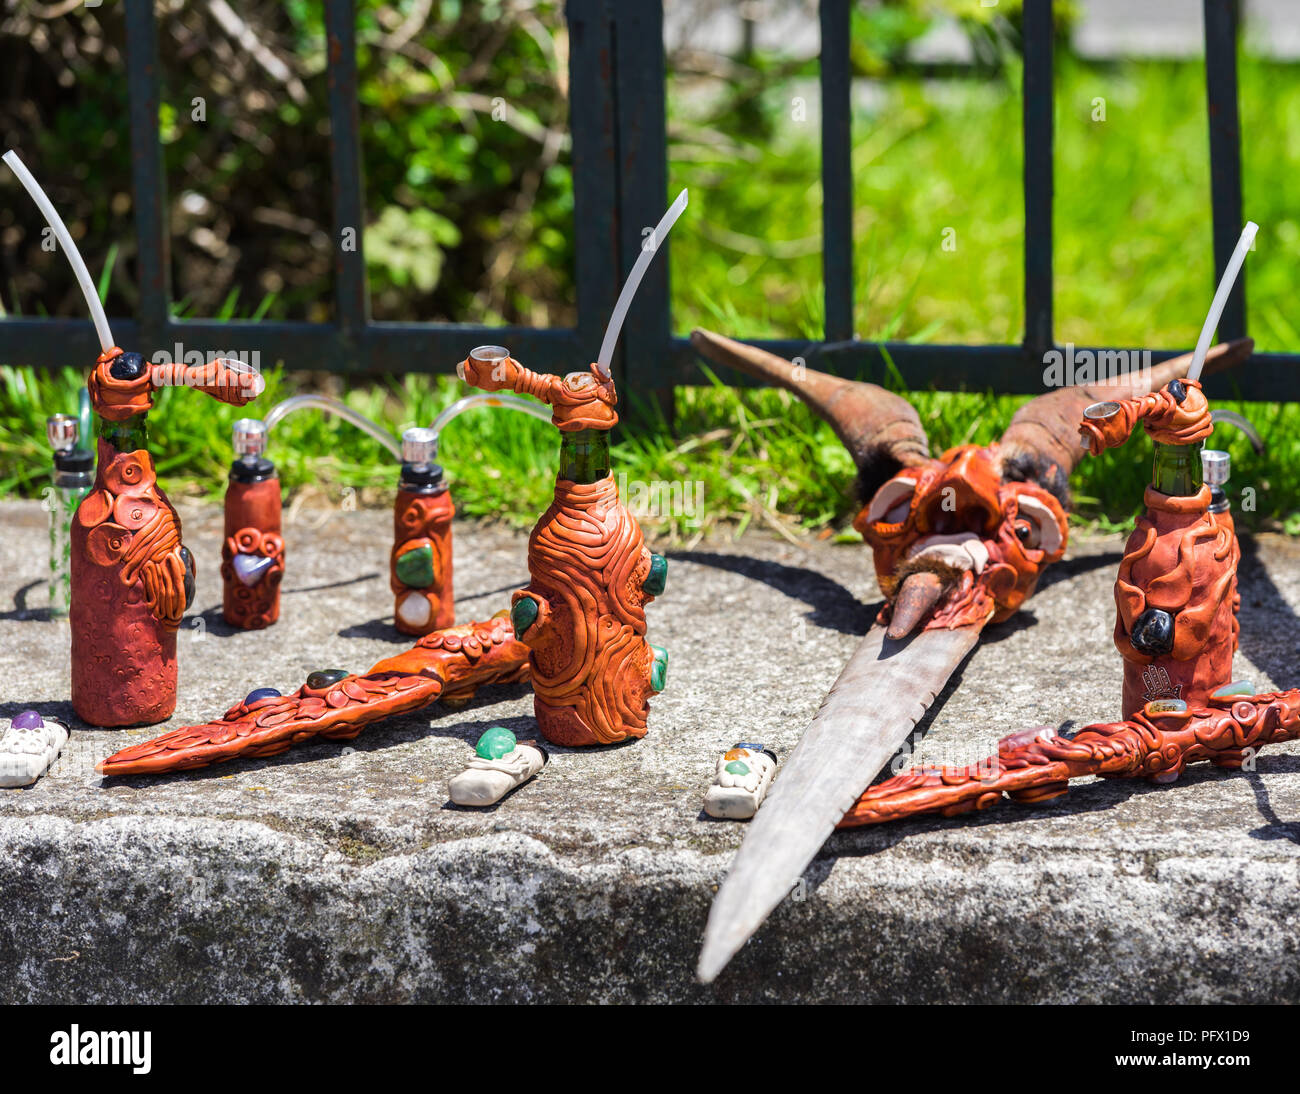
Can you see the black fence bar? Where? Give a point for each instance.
(351, 291)
(643, 191)
(1221, 27)
(1037, 134)
(148, 181)
(837, 170)
(593, 127)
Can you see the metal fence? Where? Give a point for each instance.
(619, 150)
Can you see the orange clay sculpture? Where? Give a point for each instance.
(336, 705)
(1037, 764)
(582, 615)
(420, 572)
(1175, 628)
(131, 577)
(252, 554)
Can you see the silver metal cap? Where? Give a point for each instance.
(1100, 411)
(1216, 467)
(419, 445)
(489, 354)
(250, 437)
(63, 431)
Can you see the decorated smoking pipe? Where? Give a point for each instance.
(582, 615)
(958, 542)
(252, 550)
(131, 577)
(420, 566)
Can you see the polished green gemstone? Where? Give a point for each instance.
(737, 767)
(323, 678)
(523, 614)
(495, 743)
(658, 577)
(415, 568)
(1237, 687)
(659, 669)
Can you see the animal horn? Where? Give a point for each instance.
(1042, 442)
(881, 430)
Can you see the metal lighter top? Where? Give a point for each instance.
(63, 431)
(1216, 466)
(419, 445)
(249, 438)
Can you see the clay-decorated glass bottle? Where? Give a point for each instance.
(420, 572)
(252, 554)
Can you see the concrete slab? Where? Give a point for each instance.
(341, 873)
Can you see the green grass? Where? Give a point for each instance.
(1133, 268)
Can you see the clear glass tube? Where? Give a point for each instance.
(486, 398)
(1231, 417)
(68, 490)
(283, 409)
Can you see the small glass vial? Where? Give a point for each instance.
(74, 475)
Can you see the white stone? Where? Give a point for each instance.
(414, 610)
(26, 754)
(737, 797)
(251, 568)
(486, 782)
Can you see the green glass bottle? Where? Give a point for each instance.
(130, 435)
(1176, 469)
(584, 455)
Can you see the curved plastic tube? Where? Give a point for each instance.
(69, 248)
(85, 421)
(1226, 282)
(648, 252)
(1242, 423)
(283, 409)
(507, 402)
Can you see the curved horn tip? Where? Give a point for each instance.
(701, 337)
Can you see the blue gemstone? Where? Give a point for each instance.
(260, 693)
(28, 719)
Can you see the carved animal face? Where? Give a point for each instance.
(990, 539)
